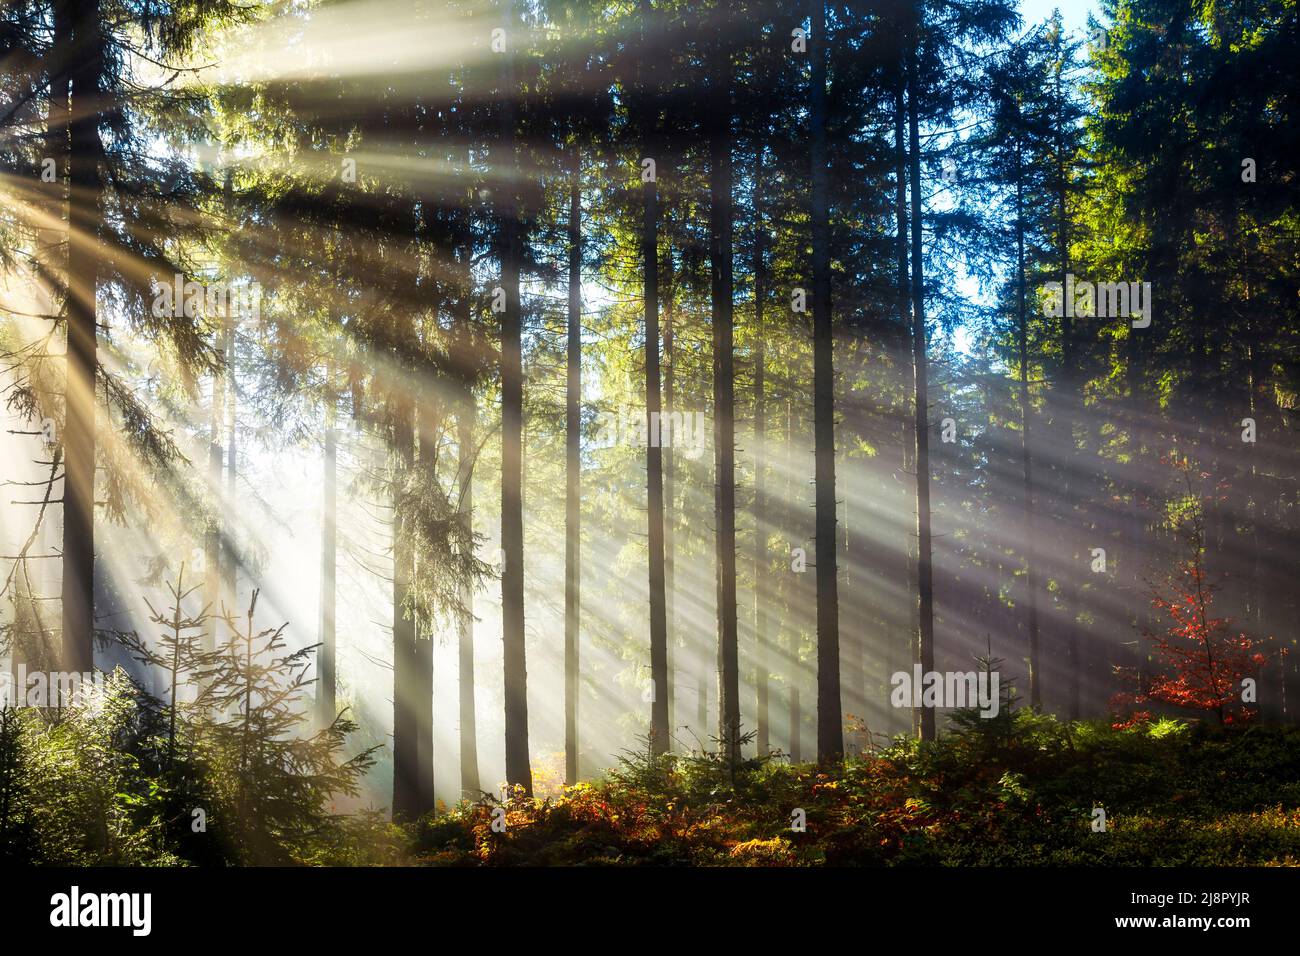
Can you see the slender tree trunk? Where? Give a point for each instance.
(923, 719)
(830, 722)
(702, 682)
(761, 575)
(1134, 531)
(660, 732)
(326, 687)
(466, 450)
(230, 553)
(909, 625)
(518, 769)
(905, 332)
(724, 424)
(174, 669)
(573, 477)
(79, 449)
(793, 676)
(852, 655)
(405, 683)
(1257, 397)
(430, 420)
(1259, 402)
(670, 691)
(230, 557)
(469, 778)
(214, 552)
(1026, 459)
(1069, 585)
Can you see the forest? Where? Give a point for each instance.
(670, 432)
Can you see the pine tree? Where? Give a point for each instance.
(830, 730)
(182, 651)
(510, 253)
(272, 782)
(573, 476)
(724, 427)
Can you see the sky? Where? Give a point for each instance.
(1075, 12)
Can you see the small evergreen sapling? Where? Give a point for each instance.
(271, 782)
(179, 653)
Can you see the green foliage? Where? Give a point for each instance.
(17, 830)
(1173, 795)
(124, 778)
(698, 775)
(89, 785)
(89, 799)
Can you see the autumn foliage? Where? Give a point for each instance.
(1203, 659)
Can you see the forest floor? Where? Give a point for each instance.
(1026, 791)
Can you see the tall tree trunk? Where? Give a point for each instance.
(761, 575)
(79, 396)
(724, 425)
(573, 477)
(670, 691)
(518, 769)
(469, 778)
(230, 553)
(852, 654)
(1135, 526)
(405, 684)
(326, 680)
(1069, 584)
(660, 737)
(703, 679)
(214, 549)
(795, 712)
(1026, 460)
(214, 579)
(465, 457)
(430, 420)
(905, 334)
(1257, 398)
(830, 722)
(923, 719)
(660, 732)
